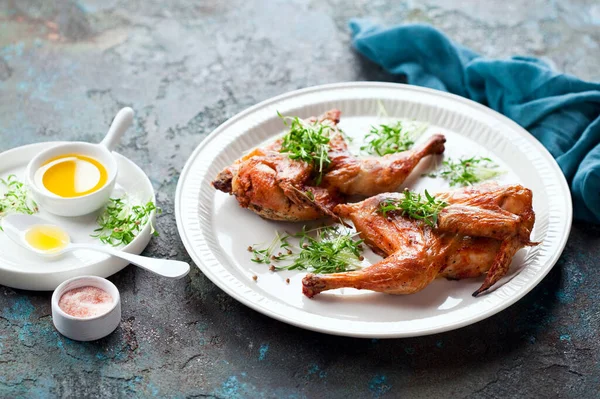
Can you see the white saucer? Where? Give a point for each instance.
(21, 269)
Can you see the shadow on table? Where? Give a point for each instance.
(511, 330)
(368, 70)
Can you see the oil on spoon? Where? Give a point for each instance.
(49, 240)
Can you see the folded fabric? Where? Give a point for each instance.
(561, 111)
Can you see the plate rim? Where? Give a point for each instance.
(130, 248)
(561, 181)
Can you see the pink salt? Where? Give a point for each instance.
(85, 301)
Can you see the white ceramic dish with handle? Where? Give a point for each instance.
(19, 268)
(216, 231)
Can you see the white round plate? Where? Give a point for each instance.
(21, 269)
(217, 232)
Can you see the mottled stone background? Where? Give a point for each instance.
(186, 66)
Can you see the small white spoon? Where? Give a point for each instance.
(16, 226)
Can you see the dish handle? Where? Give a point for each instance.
(123, 121)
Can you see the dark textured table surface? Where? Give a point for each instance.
(66, 67)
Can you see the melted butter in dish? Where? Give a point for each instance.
(71, 176)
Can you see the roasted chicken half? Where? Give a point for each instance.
(478, 232)
(276, 187)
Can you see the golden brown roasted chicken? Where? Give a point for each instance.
(276, 187)
(478, 232)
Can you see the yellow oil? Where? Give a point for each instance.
(47, 238)
(61, 177)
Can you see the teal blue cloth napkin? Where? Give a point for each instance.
(561, 111)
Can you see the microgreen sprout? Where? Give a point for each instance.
(16, 198)
(308, 142)
(467, 171)
(416, 206)
(392, 138)
(121, 222)
(325, 249)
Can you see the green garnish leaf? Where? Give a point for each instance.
(415, 206)
(16, 199)
(308, 142)
(389, 139)
(467, 171)
(266, 255)
(322, 250)
(121, 222)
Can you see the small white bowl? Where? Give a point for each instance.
(78, 206)
(90, 328)
(75, 206)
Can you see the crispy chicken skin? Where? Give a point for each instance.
(275, 187)
(479, 231)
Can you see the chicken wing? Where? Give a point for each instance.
(479, 231)
(276, 187)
